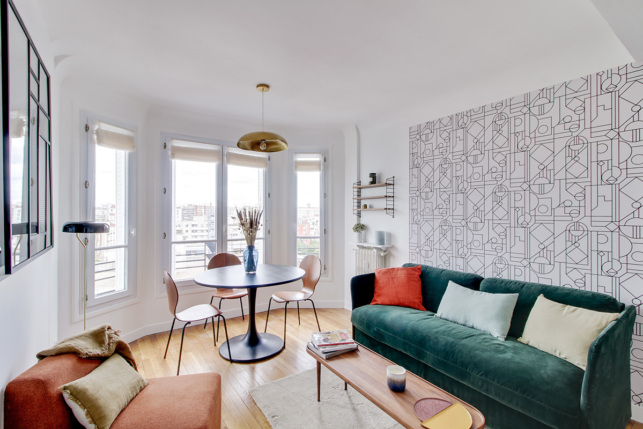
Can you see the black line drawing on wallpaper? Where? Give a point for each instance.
(544, 187)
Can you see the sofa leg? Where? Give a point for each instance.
(169, 338)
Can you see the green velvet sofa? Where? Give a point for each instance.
(514, 385)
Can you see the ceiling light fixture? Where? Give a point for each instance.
(262, 141)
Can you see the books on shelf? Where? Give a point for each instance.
(332, 338)
(325, 354)
(331, 343)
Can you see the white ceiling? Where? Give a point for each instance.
(331, 62)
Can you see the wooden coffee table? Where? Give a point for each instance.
(365, 371)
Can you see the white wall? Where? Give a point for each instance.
(147, 312)
(381, 149)
(28, 306)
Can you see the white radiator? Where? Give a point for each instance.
(368, 259)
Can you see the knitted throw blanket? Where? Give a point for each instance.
(100, 342)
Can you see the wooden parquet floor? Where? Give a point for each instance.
(238, 408)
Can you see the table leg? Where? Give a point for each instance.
(318, 381)
(345, 386)
(253, 346)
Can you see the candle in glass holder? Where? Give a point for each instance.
(396, 378)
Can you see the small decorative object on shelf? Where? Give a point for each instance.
(249, 223)
(372, 178)
(359, 229)
(388, 206)
(382, 237)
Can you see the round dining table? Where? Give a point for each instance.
(252, 346)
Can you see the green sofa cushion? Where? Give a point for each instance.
(529, 292)
(531, 381)
(435, 282)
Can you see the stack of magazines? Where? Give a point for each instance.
(332, 343)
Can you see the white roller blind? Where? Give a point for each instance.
(308, 162)
(113, 137)
(185, 150)
(246, 160)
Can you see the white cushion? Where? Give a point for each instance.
(487, 312)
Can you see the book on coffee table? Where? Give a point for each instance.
(326, 354)
(332, 338)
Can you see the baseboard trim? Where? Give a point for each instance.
(233, 311)
(637, 413)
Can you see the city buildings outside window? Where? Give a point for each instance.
(194, 193)
(206, 182)
(246, 188)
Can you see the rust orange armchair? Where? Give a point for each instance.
(33, 399)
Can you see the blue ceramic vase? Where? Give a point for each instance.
(250, 259)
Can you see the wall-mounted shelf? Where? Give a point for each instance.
(370, 198)
(375, 185)
(388, 196)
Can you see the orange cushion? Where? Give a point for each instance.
(399, 286)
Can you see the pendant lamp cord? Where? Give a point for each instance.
(262, 93)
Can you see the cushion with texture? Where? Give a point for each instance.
(564, 330)
(398, 286)
(435, 281)
(98, 398)
(487, 312)
(529, 293)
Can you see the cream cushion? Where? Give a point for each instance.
(563, 330)
(98, 398)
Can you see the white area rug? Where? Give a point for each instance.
(291, 403)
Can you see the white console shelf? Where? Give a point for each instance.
(374, 246)
(383, 248)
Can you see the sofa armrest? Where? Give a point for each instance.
(605, 394)
(362, 289)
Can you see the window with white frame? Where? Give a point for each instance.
(109, 197)
(246, 188)
(206, 181)
(309, 210)
(194, 193)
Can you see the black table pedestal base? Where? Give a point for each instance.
(268, 346)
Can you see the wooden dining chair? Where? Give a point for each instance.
(224, 260)
(192, 314)
(312, 266)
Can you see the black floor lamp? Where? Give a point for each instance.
(85, 228)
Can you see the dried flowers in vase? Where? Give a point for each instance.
(249, 219)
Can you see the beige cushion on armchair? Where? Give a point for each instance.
(98, 398)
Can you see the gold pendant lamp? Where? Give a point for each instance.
(262, 141)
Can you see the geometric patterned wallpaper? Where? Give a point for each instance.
(545, 187)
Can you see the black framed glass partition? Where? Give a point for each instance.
(26, 154)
